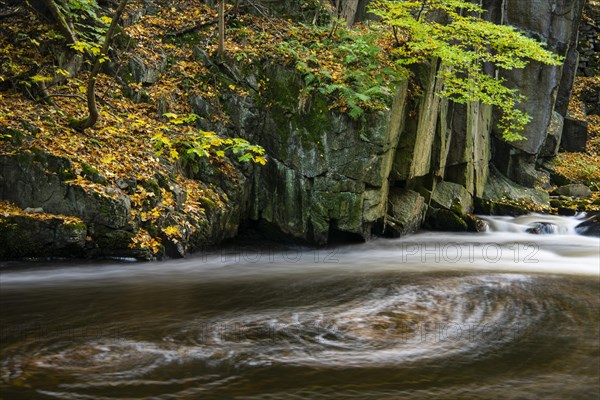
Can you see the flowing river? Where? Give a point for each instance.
(503, 314)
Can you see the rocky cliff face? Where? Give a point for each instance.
(421, 161)
(546, 88)
(329, 174)
(63, 217)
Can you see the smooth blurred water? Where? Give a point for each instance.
(498, 315)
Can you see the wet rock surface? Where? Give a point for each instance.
(590, 227)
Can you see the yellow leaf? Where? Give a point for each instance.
(62, 72)
(107, 159)
(40, 78)
(172, 231)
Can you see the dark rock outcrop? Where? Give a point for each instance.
(147, 72)
(42, 182)
(445, 220)
(405, 214)
(575, 135)
(589, 43)
(542, 228)
(325, 170)
(590, 227)
(36, 181)
(30, 236)
(452, 196)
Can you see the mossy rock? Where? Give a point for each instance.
(91, 173)
(60, 166)
(113, 239)
(445, 220)
(452, 196)
(490, 207)
(31, 236)
(474, 224)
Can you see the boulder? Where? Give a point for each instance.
(498, 188)
(567, 211)
(574, 190)
(452, 196)
(445, 220)
(474, 223)
(542, 228)
(559, 179)
(406, 213)
(492, 207)
(528, 175)
(575, 135)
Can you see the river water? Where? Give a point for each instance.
(498, 315)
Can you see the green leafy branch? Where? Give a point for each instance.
(192, 146)
(363, 83)
(453, 31)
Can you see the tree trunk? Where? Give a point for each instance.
(92, 118)
(349, 10)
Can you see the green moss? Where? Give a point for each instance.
(76, 226)
(284, 92)
(207, 203)
(87, 169)
(490, 207)
(445, 220)
(448, 220)
(91, 173)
